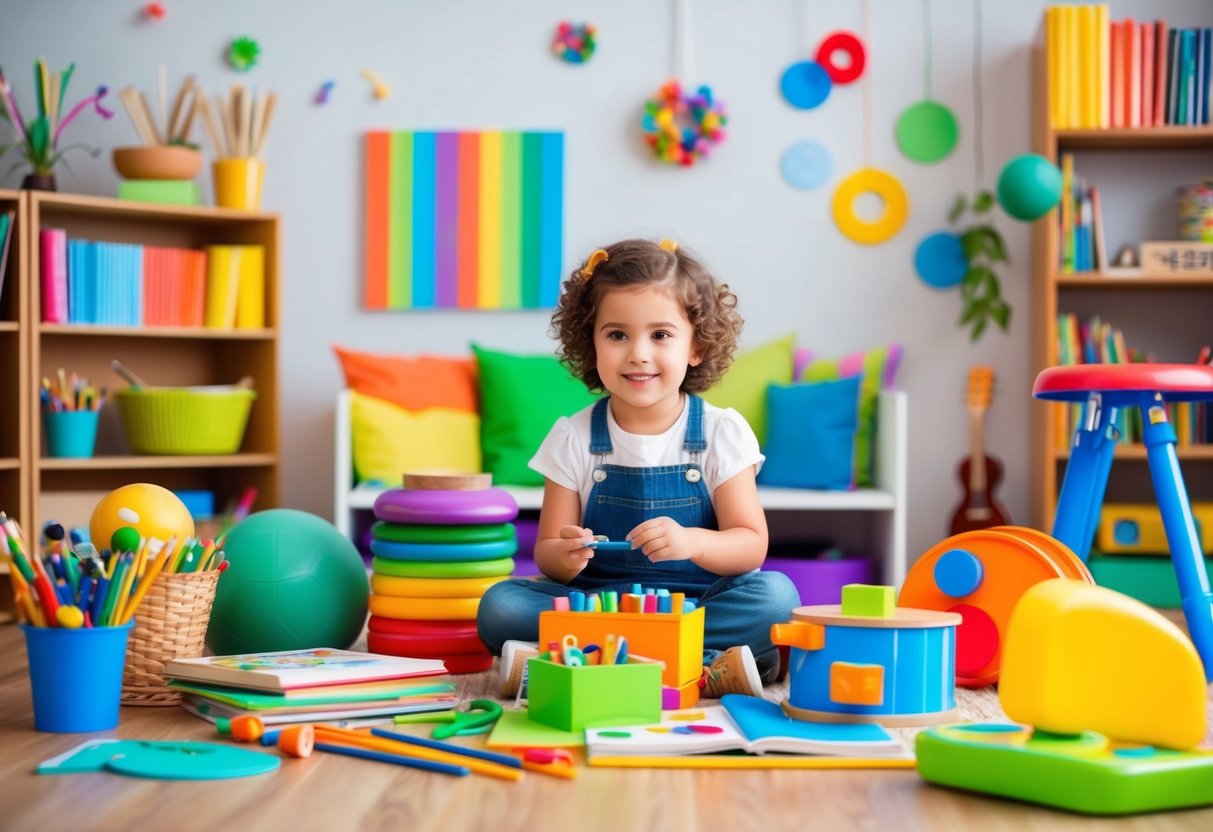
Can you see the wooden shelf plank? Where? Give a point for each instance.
(158, 332)
(129, 209)
(1169, 137)
(1142, 281)
(9, 463)
(9, 326)
(104, 463)
(1138, 451)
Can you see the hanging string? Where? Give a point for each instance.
(808, 21)
(684, 44)
(979, 162)
(867, 88)
(926, 49)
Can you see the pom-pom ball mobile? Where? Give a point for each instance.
(575, 42)
(682, 127)
(926, 131)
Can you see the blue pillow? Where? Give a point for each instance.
(811, 434)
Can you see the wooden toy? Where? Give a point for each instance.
(1106, 389)
(571, 697)
(848, 665)
(981, 575)
(1098, 674)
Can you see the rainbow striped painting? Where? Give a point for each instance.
(464, 220)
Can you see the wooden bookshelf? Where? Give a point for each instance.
(1152, 300)
(161, 356)
(14, 422)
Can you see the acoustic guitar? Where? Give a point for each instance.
(979, 474)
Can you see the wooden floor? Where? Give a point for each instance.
(337, 793)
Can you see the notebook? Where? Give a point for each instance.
(405, 691)
(740, 726)
(212, 711)
(288, 669)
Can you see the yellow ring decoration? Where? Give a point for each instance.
(885, 186)
(425, 609)
(431, 587)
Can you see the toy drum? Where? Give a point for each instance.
(896, 670)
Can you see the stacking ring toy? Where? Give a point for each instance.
(403, 533)
(456, 663)
(446, 508)
(427, 609)
(444, 552)
(883, 185)
(841, 42)
(682, 128)
(432, 647)
(404, 626)
(431, 587)
(442, 569)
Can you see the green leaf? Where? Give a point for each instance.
(1002, 315)
(958, 207)
(983, 202)
(970, 313)
(978, 329)
(39, 138)
(985, 279)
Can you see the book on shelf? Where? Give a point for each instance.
(285, 670)
(7, 220)
(740, 725)
(52, 249)
(235, 287)
(1124, 73)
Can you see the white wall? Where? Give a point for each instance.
(477, 64)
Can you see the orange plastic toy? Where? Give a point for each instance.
(981, 575)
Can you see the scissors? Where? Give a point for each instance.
(479, 718)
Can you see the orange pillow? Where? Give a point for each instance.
(414, 383)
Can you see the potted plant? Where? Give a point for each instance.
(38, 139)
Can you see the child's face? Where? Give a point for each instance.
(644, 344)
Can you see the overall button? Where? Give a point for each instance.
(694, 475)
(599, 475)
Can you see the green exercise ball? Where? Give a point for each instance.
(1029, 187)
(294, 582)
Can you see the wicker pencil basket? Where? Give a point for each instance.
(169, 624)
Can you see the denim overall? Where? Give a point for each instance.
(740, 609)
(622, 498)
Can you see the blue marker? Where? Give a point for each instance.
(577, 601)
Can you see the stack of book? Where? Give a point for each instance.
(314, 685)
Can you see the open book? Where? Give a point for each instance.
(287, 669)
(741, 725)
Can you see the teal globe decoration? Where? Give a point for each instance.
(1029, 187)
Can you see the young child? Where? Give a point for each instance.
(653, 464)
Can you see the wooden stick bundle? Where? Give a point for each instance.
(177, 121)
(243, 119)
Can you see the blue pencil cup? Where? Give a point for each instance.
(70, 433)
(75, 676)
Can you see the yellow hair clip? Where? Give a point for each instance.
(669, 245)
(597, 257)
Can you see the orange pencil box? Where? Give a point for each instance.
(673, 638)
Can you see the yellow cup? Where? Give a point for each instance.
(238, 183)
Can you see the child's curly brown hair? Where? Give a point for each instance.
(710, 307)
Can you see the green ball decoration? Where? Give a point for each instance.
(125, 539)
(294, 582)
(1029, 187)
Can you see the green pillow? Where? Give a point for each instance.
(878, 367)
(744, 386)
(521, 397)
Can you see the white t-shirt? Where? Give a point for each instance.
(565, 458)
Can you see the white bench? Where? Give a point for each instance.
(875, 517)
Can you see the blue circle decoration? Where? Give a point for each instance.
(805, 85)
(1029, 187)
(958, 573)
(940, 260)
(806, 165)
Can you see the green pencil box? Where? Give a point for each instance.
(573, 698)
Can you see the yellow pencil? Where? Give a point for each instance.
(145, 584)
(124, 591)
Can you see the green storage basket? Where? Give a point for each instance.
(183, 420)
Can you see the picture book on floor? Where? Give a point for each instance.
(405, 691)
(287, 669)
(742, 724)
(212, 711)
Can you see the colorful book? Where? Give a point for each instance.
(1147, 74)
(740, 725)
(53, 250)
(1160, 72)
(213, 711)
(250, 289)
(7, 219)
(285, 670)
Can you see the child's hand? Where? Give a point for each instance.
(576, 554)
(662, 538)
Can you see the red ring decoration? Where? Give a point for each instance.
(841, 42)
(417, 627)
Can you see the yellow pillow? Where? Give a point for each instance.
(389, 440)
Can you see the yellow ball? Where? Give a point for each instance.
(151, 510)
